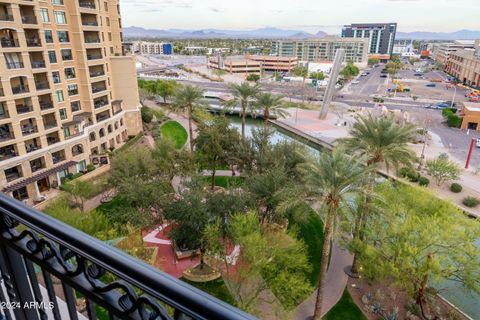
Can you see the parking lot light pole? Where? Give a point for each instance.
(454, 94)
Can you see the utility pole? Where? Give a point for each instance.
(332, 82)
(472, 143)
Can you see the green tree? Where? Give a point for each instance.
(442, 169)
(144, 95)
(350, 70)
(317, 75)
(333, 179)
(419, 241)
(189, 98)
(270, 104)
(79, 191)
(379, 141)
(243, 94)
(172, 161)
(393, 67)
(165, 88)
(271, 259)
(214, 143)
(373, 61)
(302, 72)
(147, 114)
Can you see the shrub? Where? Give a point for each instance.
(471, 202)
(253, 77)
(147, 114)
(454, 121)
(90, 167)
(424, 182)
(455, 187)
(413, 176)
(447, 111)
(403, 172)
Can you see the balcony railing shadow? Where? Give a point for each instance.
(32, 243)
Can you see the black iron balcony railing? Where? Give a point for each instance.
(94, 56)
(26, 130)
(88, 5)
(98, 89)
(9, 43)
(38, 64)
(94, 74)
(42, 86)
(6, 17)
(19, 89)
(100, 103)
(14, 65)
(24, 109)
(46, 105)
(92, 40)
(34, 43)
(29, 19)
(32, 242)
(90, 23)
(52, 140)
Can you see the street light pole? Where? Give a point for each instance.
(454, 94)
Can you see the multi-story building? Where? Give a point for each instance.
(67, 91)
(234, 64)
(322, 49)
(441, 51)
(271, 63)
(381, 37)
(465, 65)
(471, 116)
(144, 47)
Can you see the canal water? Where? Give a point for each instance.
(468, 302)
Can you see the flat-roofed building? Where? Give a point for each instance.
(234, 64)
(67, 92)
(272, 63)
(465, 66)
(323, 49)
(145, 47)
(471, 116)
(381, 37)
(441, 51)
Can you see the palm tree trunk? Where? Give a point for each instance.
(324, 263)
(266, 116)
(190, 129)
(360, 221)
(244, 118)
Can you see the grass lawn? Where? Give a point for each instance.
(216, 288)
(310, 230)
(345, 309)
(174, 131)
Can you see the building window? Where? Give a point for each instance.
(66, 54)
(82, 166)
(63, 36)
(59, 96)
(48, 36)
(44, 14)
(60, 17)
(72, 89)
(70, 73)
(52, 57)
(57, 2)
(106, 6)
(75, 106)
(63, 113)
(56, 77)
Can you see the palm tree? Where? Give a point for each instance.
(269, 103)
(333, 179)
(378, 140)
(188, 98)
(242, 94)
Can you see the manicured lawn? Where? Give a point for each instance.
(216, 288)
(174, 131)
(310, 231)
(345, 309)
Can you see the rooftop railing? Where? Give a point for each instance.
(34, 247)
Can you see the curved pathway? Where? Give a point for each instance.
(335, 285)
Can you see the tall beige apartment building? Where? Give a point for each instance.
(67, 91)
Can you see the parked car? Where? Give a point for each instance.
(478, 143)
(355, 82)
(383, 76)
(442, 105)
(431, 85)
(418, 74)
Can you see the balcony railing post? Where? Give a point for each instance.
(15, 278)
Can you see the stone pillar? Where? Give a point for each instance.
(59, 180)
(37, 191)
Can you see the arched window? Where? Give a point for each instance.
(116, 125)
(101, 133)
(77, 149)
(92, 136)
(109, 128)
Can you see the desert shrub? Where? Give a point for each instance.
(402, 172)
(424, 182)
(454, 121)
(455, 187)
(147, 114)
(471, 202)
(413, 176)
(90, 167)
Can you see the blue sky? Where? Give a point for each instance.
(307, 15)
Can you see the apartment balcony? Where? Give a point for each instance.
(6, 13)
(6, 132)
(9, 43)
(42, 86)
(53, 138)
(20, 89)
(58, 156)
(101, 102)
(38, 64)
(4, 111)
(34, 42)
(29, 20)
(14, 65)
(122, 285)
(2, 93)
(87, 5)
(13, 174)
(24, 108)
(8, 152)
(28, 126)
(37, 164)
(32, 145)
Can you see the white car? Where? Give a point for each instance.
(355, 82)
(478, 142)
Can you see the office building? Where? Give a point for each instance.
(465, 66)
(67, 91)
(271, 63)
(441, 51)
(234, 64)
(471, 116)
(144, 47)
(381, 37)
(322, 49)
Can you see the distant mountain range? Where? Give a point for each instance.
(273, 33)
(268, 33)
(457, 35)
